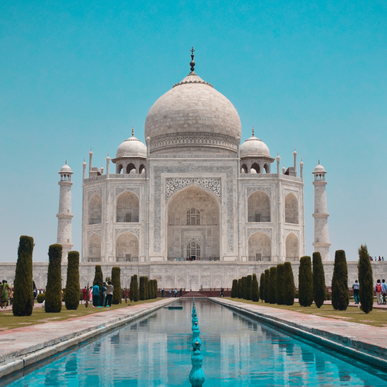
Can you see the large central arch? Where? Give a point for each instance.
(193, 216)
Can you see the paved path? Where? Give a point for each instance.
(362, 341)
(21, 347)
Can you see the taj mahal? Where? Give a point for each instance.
(193, 201)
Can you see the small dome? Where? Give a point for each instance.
(254, 147)
(132, 147)
(319, 169)
(65, 169)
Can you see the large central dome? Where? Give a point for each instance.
(193, 115)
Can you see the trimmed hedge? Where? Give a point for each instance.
(319, 288)
(143, 288)
(72, 282)
(340, 293)
(262, 287)
(290, 289)
(254, 289)
(98, 280)
(116, 282)
(40, 297)
(273, 285)
(280, 284)
(305, 282)
(249, 289)
(366, 286)
(23, 295)
(53, 300)
(150, 289)
(267, 285)
(240, 291)
(234, 289)
(134, 291)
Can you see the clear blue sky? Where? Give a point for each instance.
(306, 74)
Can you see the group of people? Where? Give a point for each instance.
(6, 294)
(174, 292)
(380, 291)
(376, 259)
(93, 295)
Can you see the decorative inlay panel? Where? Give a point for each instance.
(296, 232)
(251, 231)
(94, 191)
(91, 232)
(288, 191)
(119, 231)
(172, 185)
(134, 190)
(251, 190)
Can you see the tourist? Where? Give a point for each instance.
(181, 292)
(84, 294)
(355, 288)
(382, 258)
(384, 290)
(104, 288)
(221, 292)
(95, 296)
(4, 294)
(91, 294)
(175, 292)
(109, 294)
(371, 258)
(10, 296)
(378, 290)
(34, 289)
(162, 292)
(170, 292)
(379, 258)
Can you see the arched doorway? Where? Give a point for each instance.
(259, 247)
(127, 247)
(193, 216)
(193, 251)
(292, 248)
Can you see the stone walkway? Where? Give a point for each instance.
(361, 341)
(21, 347)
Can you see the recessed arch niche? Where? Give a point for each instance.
(259, 247)
(127, 247)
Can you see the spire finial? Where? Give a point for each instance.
(252, 131)
(66, 162)
(132, 131)
(192, 64)
(319, 162)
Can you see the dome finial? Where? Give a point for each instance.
(66, 162)
(252, 131)
(132, 131)
(192, 64)
(319, 162)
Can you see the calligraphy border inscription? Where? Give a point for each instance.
(172, 185)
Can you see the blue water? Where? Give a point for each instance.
(156, 351)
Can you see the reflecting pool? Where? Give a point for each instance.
(156, 351)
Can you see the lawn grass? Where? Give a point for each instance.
(39, 316)
(377, 318)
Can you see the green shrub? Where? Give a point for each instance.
(134, 291)
(262, 287)
(156, 288)
(23, 295)
(234, 289)
(116, 282)
(319, 288)
(98, 280)
(328, 296)
(143, 288)
(240, 290)
(280, 284)
(273, 285)
(290, 290)
(53, 300)
(150, 289)
(254, 289)
(249, 280)
(267, 285)
(130, 289)
(40, 298)
(305, 282)
(72, 282)
(366, 286)
(340, 298)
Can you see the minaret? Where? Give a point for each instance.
(321, 233)
(64, 215)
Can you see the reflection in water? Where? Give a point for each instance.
(156, 351)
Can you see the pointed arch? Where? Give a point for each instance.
(94, 248)
(266, 168)
(130, 168)
(256, 168)
(292, 247)
(258, 205)
(244, 168)
(142, 169)
(259, 247)
(95, 209)
(127, 207)
(127, 247)
(291, 209)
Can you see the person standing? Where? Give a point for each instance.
(356, 288)
(34, 289)
(10, 296)
(181, 292)
(378, 290)
(109, 294)
(84, 292)
(175, 292)
(95, 296)
(170, 292)
(162, 292)
(384, 290)
(4, 294)
(104, 288)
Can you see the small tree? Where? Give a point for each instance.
(72, 282)
(53, 300)
(249, 289)
(280, 284)
(23, 295)
(116, 282)
(305, 282)
(319, 288)
(262, 287)
(254, 289)
(234, 289)
(150, 289)
(98, 280)
(340, 294)
(135, 291)
(143, 288)
(290, 290)
(240, 290)
(273, 285)
(267, 285)
(156, 287)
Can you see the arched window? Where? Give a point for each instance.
(244, 168)
(256, 168)
(292, 253)
(259, 247)
(193, 217)
(142, 169)
(119, 168)
(193, 250)
(127, 209)
(95, 209)
(258, 206)
(130, 168)
(94, 248)
(291, 209)
(127, 248)
(266, 168)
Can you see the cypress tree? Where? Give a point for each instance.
(234, 289)
(98, 280)
(131, 289)
(53, 299)
(366, 285)
(319, 288)
(249, 288)
(262, 287)
(273, 285)
(254, 289)
(23, 295)
(136, 293)
(143, 288)
(340, 294)
(267, 285)
(305, 282)
(156, 287)
(240, 290)
(150, 289)
(116, 282)
(280, 284)
(290, 290)
(72, 282)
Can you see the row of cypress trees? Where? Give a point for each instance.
(246, 288)
(146, 291)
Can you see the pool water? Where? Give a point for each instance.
(156, 351)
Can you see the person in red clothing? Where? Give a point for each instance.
(84, 294)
